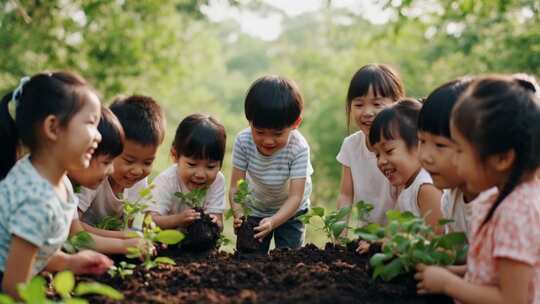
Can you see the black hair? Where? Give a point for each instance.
(397, 122)
(112, 135)
(381, 78)
(200, 136)
(498, 114)
(142, 119)
(273, 102)
(61, 94)
(435, 114)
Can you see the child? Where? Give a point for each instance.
(55, 116)
(373, 88)
(496, 128)
(393, 136)
(198, 150)
(101, 166)
(144, 125)
(436, 150)
(273, 157)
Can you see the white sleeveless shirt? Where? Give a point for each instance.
(408, 197)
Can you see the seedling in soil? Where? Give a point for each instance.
(202, 234)
(362, 211)
(34, 292)
(123, 270)
(78, 242)
(245, 241)
(111, 223)
(334, 223)
(406, 241)
(152, 235)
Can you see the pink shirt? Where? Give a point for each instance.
(512, 233)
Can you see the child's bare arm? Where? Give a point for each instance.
(172, 221)
(103, 232)
(236, 175)
(513, 285)
(346, 193)
(289, 208)
(18, 268)
(106, 245)
(429, 203)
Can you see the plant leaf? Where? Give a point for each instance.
(63, 283)
(338, 227)
(170, 236)
(391, 270)
(75, 301)
(34, 291)
(229, 214)
(318, 211)
(164, 260)
(98, 288)
(444, 221)
(5, 299)
(379, 259)
(452, 240)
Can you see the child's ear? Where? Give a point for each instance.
(504, 161)
(297, 123)
(174, 155)
(51, 127)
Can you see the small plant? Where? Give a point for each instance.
(243, 197)
(134, 210)
(362, 211)
(333, 223)
(406, 241)
(195, 198)
(223, 240)
(123, 270)
(78, 242)
(151, 235)
(111, 223)
(34, 292)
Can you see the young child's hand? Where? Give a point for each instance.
(89, 262)
(145, 247)
(432, 279)
(265, 227)
(215, 220)
(188, 216)
(237, 223)
(363, 247)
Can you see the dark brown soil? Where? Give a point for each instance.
(245, 242)
(202, 234)
(306, 275)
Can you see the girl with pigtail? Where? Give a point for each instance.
(496, 128)
(55, 116)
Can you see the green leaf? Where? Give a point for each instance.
(452, 240)
(393, 215)
(391, 270)
(318, 211)
(34, 291)
(170, 236)
(133, 252)
(164, 260)
(444, 221)
(377, 271)
(63, 283)
(366, 236)
(338, 227)
(98, 288)
(343, 213)
(75, 301)
(423, 257)
(5, 299)
(229, 214)
(379, 258)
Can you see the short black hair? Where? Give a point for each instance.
(435, 114)
(397, 122)
(142, 119)
(273, 102)
(200, 136)
(112, 134)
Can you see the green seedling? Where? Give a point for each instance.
(362, 211)
(223, 241)
(122, 271)
(111, 223)
(334, 223)
(34, 292)
(78, 242)
(152, 235)
(243, 197)
(194, 199)
(406, 241)
(132, 210)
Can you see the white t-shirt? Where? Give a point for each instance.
(408, 197)
(453, 207)
(369, 184)
(168, 182)
(102, 202)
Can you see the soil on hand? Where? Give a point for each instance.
(307, 275)
(245, 240)
(202, 234)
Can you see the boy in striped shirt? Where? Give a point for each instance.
(273, 156)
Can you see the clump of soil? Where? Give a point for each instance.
(332, 275)
(202, 234)
(246, 243)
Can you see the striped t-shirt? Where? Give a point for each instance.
(269, 176)
(31, 210)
